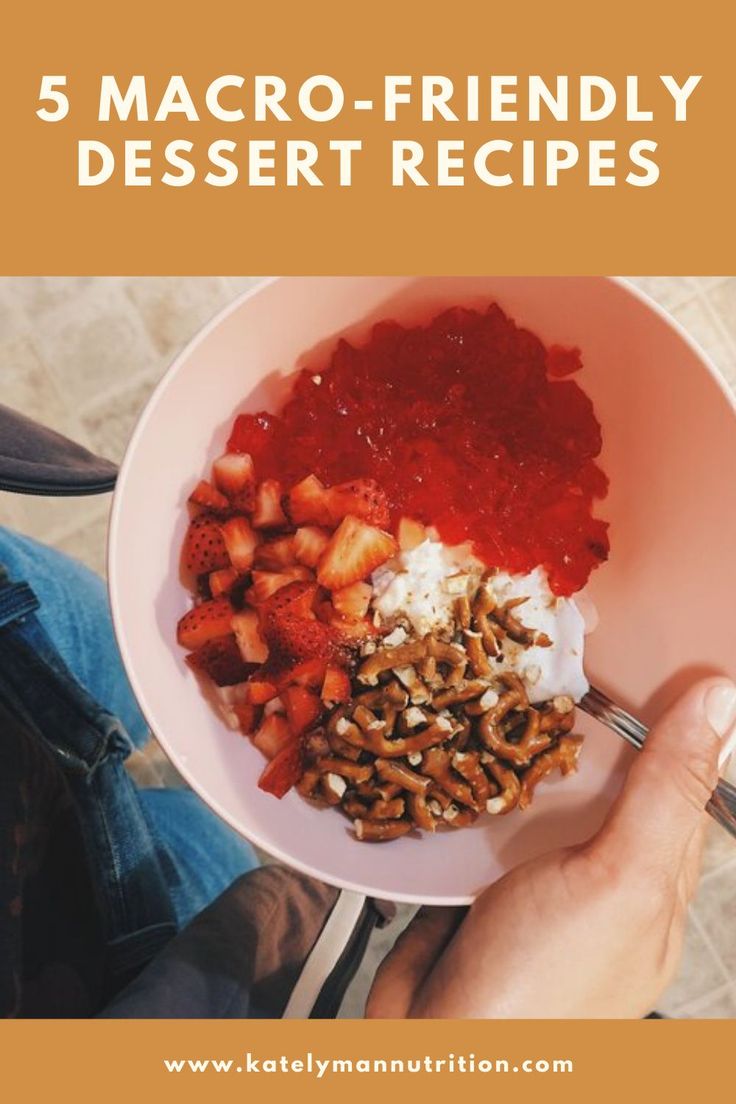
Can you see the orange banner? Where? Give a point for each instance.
(325, 138)
(352, 1060)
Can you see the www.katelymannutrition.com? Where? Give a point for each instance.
(313, 1066)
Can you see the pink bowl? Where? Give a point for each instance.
(666, 598)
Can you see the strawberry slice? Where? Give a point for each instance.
(267, 511)
(309, 542)
(284, 770)
(266, 583)
(204, 549)
(273, 555)
(221, 660)
(248, 715)
(348, 633)
(362, 498)
(303, 708)
(307, 503)
(353, 601)
(296, 597)
(234, 473)
(310, 672)
(260, 690)
(411, 534)
(253, 648)
(203, 623)
(209, 498)
(355, 550)
(292, 637)
(273, 734)
(240, 542)
(336, 685)
(222, 581)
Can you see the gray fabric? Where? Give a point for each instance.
(240, 958)
(36, 460)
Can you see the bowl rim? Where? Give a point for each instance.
(115, 545)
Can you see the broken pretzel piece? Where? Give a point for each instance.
(564, 756)
(379, 831)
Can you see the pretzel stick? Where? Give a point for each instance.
(563, 757)
(374, 792)
(462, 611)
(402, 776)
(457, 694)
(459, 818)
(514, 628)
(392, 694)
(387, 659)
(468, 765)
(436, 764)
(483, 604)
(420, 813)
(477, 653)
(374, 740)
(450, 654)
(345, 768)
(378, 831)
(309, 779)
(523, 751)
(510, 785)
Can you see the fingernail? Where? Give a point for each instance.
(720, 712)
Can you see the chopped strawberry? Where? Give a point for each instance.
(209, 498)
(411, 534)
(275, 554)
(309, 543)
(284, 770)
(273, 734)
(303, 708)
(222, 581)
(220, 659)
(362, 498)
(310, 672)
(355, 549)
(204, 549)
(353, 601)
(266, 583)
(240, 542)
(260, 690)
(249, 716)
(203, 623)
(267, 511)
(296, 597)
(292, 637)
(347, 632)
(252, 647)
(336, 685)
(307, 503)
(234, 474)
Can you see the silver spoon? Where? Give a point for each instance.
(722, 805)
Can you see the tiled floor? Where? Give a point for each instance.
(81, 354)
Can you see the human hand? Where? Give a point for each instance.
(588, 931)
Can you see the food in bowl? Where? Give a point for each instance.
(383, 574)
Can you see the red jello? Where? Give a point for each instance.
(467, 425)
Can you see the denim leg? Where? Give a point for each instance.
(206, 856)
(76, 615)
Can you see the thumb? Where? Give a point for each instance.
(661, 806)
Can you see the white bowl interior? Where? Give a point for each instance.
(666, 599)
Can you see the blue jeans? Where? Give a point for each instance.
(61, 669)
